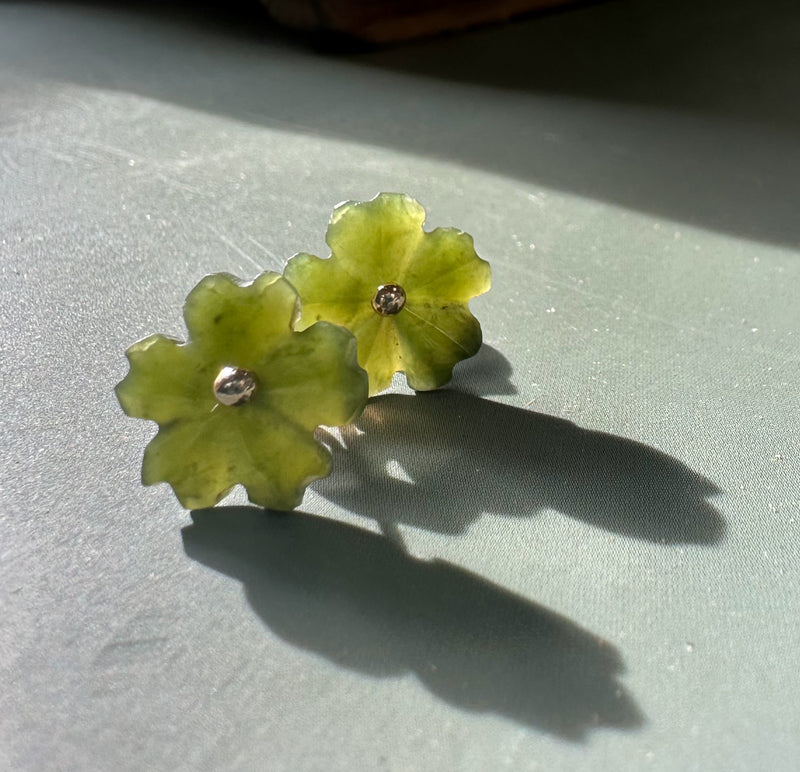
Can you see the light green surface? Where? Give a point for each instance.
(599, 522)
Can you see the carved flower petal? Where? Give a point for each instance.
(204, 458)
(374, 240)
(315, 378)
(235, 322)
(378, 350)
(330, 293)
(167, 381)
(446, 268)
(433, 340)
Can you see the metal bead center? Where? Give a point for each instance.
(234, 386)
(389, 299)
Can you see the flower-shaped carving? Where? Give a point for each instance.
(402, 291)
(240, 401)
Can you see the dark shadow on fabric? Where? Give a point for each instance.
(537, 101)
(488, 372)
(460, 456)
(358, 600)
(713, 56)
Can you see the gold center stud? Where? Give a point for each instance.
(389, 299)
(234, 386)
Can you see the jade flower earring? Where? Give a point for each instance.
(402, 291)
(240, 401)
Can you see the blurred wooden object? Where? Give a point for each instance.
(387, 21)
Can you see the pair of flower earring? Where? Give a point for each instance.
(270, 360)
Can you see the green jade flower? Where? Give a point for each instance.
(402, 291)
(240, 401)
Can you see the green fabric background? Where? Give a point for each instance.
(583, 555)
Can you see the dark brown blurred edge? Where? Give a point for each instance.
(389, 21)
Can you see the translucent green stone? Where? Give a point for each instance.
(297, 380)
(378, 243)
